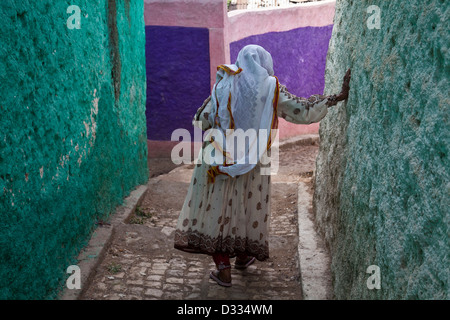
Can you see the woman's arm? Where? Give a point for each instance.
(202, 115)
(301, 110)
(335, 98)
(309, 110)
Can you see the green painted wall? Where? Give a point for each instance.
(73, 133)
(382, 181)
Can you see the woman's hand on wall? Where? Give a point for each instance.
(343, 95)
(345, 85)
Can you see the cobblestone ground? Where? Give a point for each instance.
(141, 262)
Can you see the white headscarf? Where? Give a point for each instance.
(245, 96)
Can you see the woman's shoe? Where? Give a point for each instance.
(215, 276)
(245, 264)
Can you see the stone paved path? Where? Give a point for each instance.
(142, 264)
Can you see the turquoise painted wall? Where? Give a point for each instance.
(382, 185)
(73, 132)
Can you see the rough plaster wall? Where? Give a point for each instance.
(73, 134)
(382, 180)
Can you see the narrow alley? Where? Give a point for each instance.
(141, 263)
(99, 98)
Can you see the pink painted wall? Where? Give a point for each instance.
(225, 28)
(211, 14)
(244, 23)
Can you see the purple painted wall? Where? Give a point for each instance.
(178, 69)
(178, 77)
(299, 56)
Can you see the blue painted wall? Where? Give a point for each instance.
(299, 56)
(178, 79)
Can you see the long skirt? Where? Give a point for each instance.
(230, 216)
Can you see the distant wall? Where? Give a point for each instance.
(184, 40)
(73, 137)
(382, 181)
(177, 77)
(297, 37)
(300, 64)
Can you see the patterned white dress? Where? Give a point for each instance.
(232, 215)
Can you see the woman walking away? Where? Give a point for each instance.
(226, 212)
